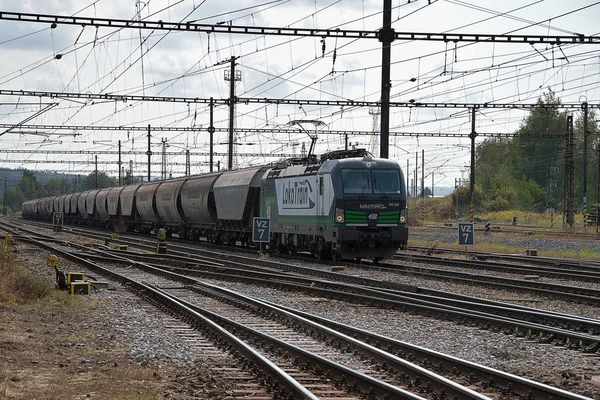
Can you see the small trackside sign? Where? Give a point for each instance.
(466, 234)
(57, 219)
(261, 230)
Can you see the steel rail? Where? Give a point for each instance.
(586, 276)
(418, 295)
(409, 292)
(425, 300)
(575, 292)
(416, 373)
(508, 383)
(267, 367)
(368, 295)
(365, 383)
(581, 265)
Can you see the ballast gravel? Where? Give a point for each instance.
(148, 341)
(544, 363)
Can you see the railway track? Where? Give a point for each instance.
(576, 332)
(565, 291)
(532, 263)
(387, 373)
(525, 231)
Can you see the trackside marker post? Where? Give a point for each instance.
(466, 235)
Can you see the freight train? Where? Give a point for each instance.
(345, 205)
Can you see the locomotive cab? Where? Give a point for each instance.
(368, 214)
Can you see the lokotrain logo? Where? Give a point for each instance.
(297, 194)
(373, 206)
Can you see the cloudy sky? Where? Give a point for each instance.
(86, 59)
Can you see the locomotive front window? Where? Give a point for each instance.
(386, 181)
(356, 181)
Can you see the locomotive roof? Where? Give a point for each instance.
(358, 163)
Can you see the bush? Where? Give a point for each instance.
(498, 204)
(17, 283)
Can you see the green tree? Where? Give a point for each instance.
(104, 181)
(527, 171)
(28, 185)
(57, 186)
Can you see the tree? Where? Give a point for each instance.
(28, 185)
(527, 171)
(104, 181)
(57, 186)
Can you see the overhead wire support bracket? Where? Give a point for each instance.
(305, 102)
(280, 31)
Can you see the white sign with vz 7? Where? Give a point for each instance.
(57, 219)
(466, 234)
(261, 230)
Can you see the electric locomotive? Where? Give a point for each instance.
(347, 205)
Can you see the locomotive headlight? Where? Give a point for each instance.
(339, 215)
(402, 216)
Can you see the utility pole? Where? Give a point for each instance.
(408, 178)
(211, 131)
(432, 183)
(149, 152)
(456, 193)
(374, 145)
(5, 207)
(472, 183)
(585, 159)
(232, 76)
(569, 197)
(163, 164)
(131, 178)
(415, 181)
(96, 171)
(598, 195)
(188, 168)
(386, 37)
(423, 176)
(119, 164)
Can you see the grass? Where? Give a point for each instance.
(50, 350)
(584, 254)
(20, 285)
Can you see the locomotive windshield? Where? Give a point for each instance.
(381, 181)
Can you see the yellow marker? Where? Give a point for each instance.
(113, 236)
(9, 240)
(51, 260)
(162, 234)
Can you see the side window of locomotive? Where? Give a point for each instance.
(356, 181)
(321, 186)
(386, 181)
